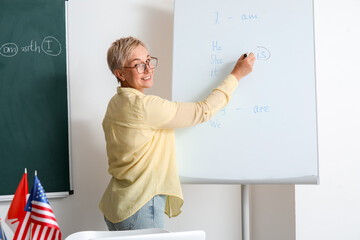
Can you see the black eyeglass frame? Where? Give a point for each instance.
(145, 64)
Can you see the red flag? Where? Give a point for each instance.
(17, 208)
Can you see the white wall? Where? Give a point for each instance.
(331, 210)
(272, 212)
(93, 25)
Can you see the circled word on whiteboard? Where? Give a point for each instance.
(49, 45)
(262, 53)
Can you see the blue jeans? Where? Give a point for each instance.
(151, 215)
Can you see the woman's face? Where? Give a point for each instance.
(130, 77)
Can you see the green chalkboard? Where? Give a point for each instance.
(33, 95)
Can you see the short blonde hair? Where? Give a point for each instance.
(120, 52)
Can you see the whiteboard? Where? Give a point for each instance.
(268, 131)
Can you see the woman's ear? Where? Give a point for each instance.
(119, 75)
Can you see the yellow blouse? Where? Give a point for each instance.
(140, 144)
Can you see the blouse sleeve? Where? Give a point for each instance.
(164, 114)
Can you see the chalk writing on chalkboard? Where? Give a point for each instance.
(49, 45)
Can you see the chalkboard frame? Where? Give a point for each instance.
(63, 185)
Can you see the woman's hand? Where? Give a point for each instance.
(243, 66)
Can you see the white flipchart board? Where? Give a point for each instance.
(268, 131)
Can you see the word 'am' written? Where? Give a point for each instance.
(49, 45)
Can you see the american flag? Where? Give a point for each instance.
(39, 221)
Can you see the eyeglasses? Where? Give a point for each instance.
(140, 67)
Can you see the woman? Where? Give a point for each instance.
(140, 140)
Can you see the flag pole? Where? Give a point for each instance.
(31, 225)
(27, 195)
